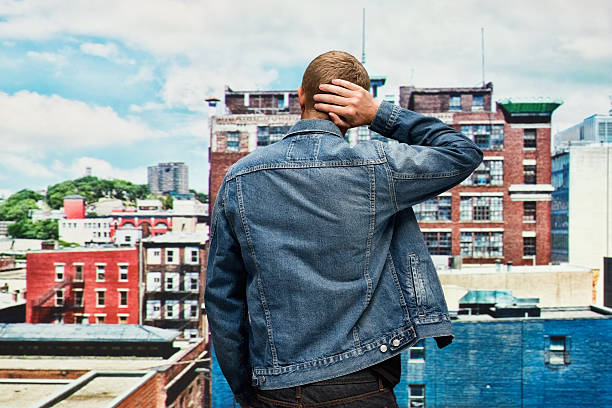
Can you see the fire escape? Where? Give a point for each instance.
(47, 314)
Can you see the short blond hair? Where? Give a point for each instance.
(332, 65)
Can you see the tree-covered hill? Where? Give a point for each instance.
(93, 188)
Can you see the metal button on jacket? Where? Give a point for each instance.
(395, 342)
(383, 348)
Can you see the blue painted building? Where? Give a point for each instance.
(561, 359)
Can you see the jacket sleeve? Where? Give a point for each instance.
(225, 299)
(430, 158)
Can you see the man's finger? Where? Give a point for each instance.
(331, 99)
(327, 108)
(347, 84)
(334, 89)
(339, 121)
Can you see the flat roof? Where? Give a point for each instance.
(24, 392)
(97, 248)
(85, 333)
(539, 105)
(177, 238)
(469, 270)
(550, 313)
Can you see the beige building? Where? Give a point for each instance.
(554, 285)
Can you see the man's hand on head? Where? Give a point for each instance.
(348, 105)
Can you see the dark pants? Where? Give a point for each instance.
(357, 390)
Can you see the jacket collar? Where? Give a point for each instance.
(314, 126)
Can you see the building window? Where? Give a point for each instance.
(81, 319)
(454, 103)
(477, 103)
(487, 137)
(529, 172)
(192, 282)
(123, 273)
(172, 309)
(128, 238)
(434, 209)
(190, 309)
(59, 297)
(558, 351)
(153, 309)
(154, 282)
(100, 273)
(489, 173)
(482, 244)
(100, 319)
(123, 298)
(233, 142)
(481, 208)
(416, 395)
(529, 246)
(529, 211)
(100, 298)
(417, 352)
(190, 333)
(122, 318)
(153, 256)
(172, 256)
(59, 272)
(192, 255)
(530, 139)
(267, 135)
(78, 298)
(78, 272)
(438, 243)
(172, 282)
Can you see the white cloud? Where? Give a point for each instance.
(24, 166)
(34, 123)
(144, 74)
(107, 51)
(101, 169)
(50, 57)
(149, 106)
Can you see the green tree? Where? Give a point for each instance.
(25, 228)
(201, 197)
(17, 206)
(93, 188)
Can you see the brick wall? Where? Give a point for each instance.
(41, 280)
(219, 164)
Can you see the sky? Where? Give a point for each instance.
(120, 85)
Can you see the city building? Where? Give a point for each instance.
(127, 366)
(174, 276)
(581, 207)
(166, 178)
(554, 285)
(596, 128)
(502, 211)
(12, 292)
(83, 286)
(550, 360)
(252, 119)
(491, 216)
(86, 231)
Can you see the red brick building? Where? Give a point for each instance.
(83, 285)
(501, 212)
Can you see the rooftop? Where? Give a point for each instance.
(177, 238)
(469, 270)
(530, 106)
(89, 333)
(547, 313)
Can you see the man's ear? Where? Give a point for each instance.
(301, 98)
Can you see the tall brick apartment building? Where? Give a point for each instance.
(501, 212)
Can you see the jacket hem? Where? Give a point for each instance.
(348, 362)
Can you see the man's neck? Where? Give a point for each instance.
(315, 114)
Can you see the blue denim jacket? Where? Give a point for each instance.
(317, 267)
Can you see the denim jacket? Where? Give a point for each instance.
(317, 266)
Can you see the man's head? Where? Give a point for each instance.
(324, 68)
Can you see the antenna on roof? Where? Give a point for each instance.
(483, 54)
(363, 39)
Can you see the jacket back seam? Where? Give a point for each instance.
(262, 296)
